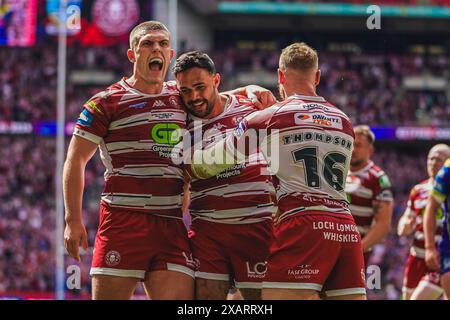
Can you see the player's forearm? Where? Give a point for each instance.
(207, 163)
(429, 222)
(73, 186)
(375, 235)
(238, 91)
(406, 224)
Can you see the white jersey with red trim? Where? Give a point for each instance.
(418, 199)
(240, 194)
(362, 188)
(136, 133)
(315, 143)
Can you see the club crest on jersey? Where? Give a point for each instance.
(112, 258)
(174, 102)
(318, 119)
(85, 118)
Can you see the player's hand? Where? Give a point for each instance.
(261, 97)
(75, 235)
(432, 258)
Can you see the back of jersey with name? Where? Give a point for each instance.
(315, 141)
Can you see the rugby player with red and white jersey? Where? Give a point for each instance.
(369, 192)
(134, 134)
(231, 230)
(416, 269)
(308, 144)
(419, 282)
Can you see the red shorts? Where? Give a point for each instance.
(416, 271)
(129, 244)
(317, 251)
(230, 252)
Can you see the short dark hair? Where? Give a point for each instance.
(194, 59)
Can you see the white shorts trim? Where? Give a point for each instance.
(290, 285)
(140, 274)
(248, 285)
(344, 292)
(212, 276)
(180, 268)
(427, 284)
(407, 290)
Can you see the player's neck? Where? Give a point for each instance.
(219, 106)
(359, 166)
(144, 87)
(302, 89)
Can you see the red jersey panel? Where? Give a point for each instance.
(417, 202)
(362, 188)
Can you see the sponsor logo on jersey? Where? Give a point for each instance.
(256, 270)
(159, 103)
(162, 115)
(94, 107)
(318, 119)
(166, 133)
(85, 118)
(112, 258)
(138, 105)
(303, 271)
(384, 182)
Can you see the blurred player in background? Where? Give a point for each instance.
(439, 260)
(141, 235)
(232, 211)
(420, 283)
(317, 248)
(369, 192)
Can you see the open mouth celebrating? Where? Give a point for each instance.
(156, 64)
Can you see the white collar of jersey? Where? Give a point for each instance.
(311, 98)
(367, 166)
(123, 82)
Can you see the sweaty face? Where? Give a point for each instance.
(435, 161)
(362, 150)
(198, 90)
(152, 56)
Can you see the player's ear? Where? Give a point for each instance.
(216, 80)
(281, 77)
(171, 54)
(130, 55)
(317, 79)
